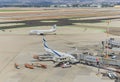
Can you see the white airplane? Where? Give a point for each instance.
(60, 56)
(42, 32)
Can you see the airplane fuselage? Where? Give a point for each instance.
(39, 32)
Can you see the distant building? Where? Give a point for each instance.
(96, 5)
(62, 5)
(52, 6)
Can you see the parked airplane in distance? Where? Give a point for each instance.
(42, 32)
(59, 56)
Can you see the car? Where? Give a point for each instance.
(65, 65)
(111, 75)
(112, 55)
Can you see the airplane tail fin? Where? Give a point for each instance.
(54, 27)
(49, 50)
(45, 43)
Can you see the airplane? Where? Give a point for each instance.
(42, 32)
(59, 56)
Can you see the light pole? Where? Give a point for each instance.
(107, 31)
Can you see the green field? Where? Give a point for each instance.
(1, 10)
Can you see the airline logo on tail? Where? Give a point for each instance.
(50, 50)
(54, 26)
